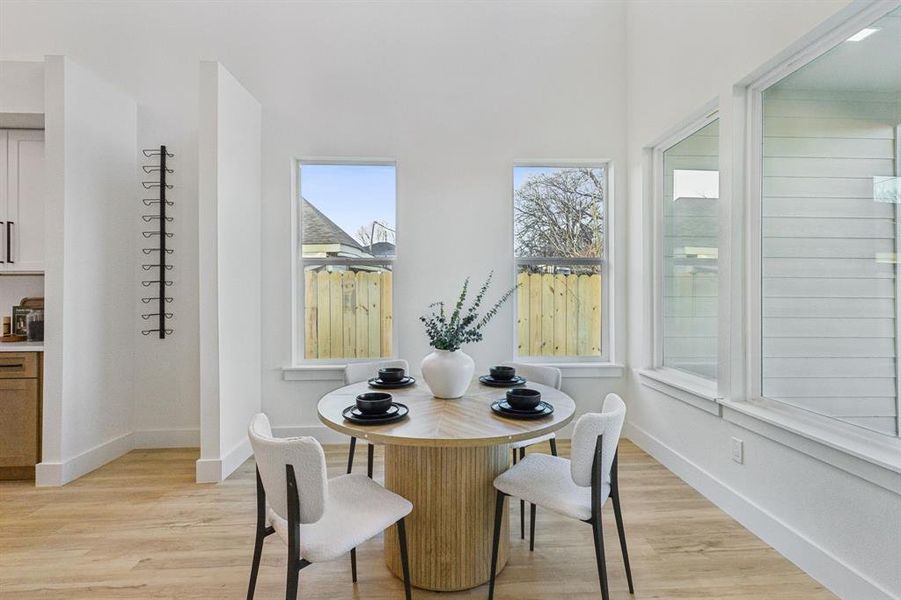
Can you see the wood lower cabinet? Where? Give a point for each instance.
(20, 414)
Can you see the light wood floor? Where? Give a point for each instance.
(141, 528)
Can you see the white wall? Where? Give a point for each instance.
(22, 86)
(229, 235)
(90, 271)
(454, 92)
(834, 525)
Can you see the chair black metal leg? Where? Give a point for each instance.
(404, 559)
(599, 555)
(553, 446)
(262, 532)
(255, 567)
(532, 528)
(498, 519)
(293, 576)
(350, 455)
(353, 564)
(617, 512)
(370, 459)
(522, 505)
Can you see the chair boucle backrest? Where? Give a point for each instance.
(305, 454)
(357, 372)
(609, 423)
(550, 376)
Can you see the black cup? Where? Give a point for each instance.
(391, 374)
(502, 373)
(523, 398)
(373, 403)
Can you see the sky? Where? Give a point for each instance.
(689, 183)
(351, 195)
(356, 195)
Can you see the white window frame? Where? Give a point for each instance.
(676, 382)
(325, 368)
(754, 193)
(605, 261)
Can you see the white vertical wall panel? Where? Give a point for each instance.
(230, 162)
(828, 255)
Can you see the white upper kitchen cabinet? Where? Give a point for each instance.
(21, 200)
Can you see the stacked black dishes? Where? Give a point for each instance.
(502, 376)
(522, 403)
(375, 408)
(390, 378)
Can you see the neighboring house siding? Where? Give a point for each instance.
(829, 278)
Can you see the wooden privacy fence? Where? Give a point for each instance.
(559, 315)
(347, 314)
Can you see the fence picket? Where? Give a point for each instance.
(522, 321)
(323, 315)
(361, 281)
(310, 317)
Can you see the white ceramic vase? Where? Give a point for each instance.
(447, 373)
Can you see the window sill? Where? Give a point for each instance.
(870, 456)
(580, 370)
(323, 372)
(335, 372)
(698, 392)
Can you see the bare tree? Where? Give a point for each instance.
(374, 232)
(560, 214)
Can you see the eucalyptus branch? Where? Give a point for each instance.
(450, 334)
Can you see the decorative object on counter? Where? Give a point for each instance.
(35, 324)
(159, 268)
(448, 370)
(20, 320)
(26, 323)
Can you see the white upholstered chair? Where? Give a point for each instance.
(552, 377)
(576, 488)
(355, 373)
(318, 518)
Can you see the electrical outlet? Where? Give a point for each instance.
(738, 451)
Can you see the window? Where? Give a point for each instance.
(559, 239)
(689, 251)
(829, 236)
(347, 249)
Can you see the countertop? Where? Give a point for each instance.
(21, 347)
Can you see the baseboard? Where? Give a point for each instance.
(208, 470)
(816, 561)
(215, 470)
(61, 473)
(323, 434)
(167, 438)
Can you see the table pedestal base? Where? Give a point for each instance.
(449, 532)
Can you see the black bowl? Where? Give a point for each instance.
(373, 403)
(391, 374)
(523, 398)
(502, 373)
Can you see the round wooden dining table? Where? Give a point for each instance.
(443, 457)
